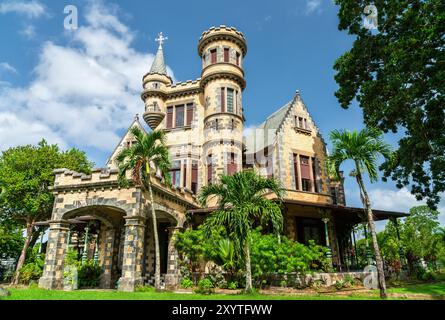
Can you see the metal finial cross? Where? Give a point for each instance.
(161, 39)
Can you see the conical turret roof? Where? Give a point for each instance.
(158, 65)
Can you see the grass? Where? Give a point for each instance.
(41, 294)
(423, 291)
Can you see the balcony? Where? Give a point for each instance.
(153, 116)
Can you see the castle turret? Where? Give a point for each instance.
(154, 88)
(222, 50)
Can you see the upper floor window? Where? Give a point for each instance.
(195, 177)
(229, 100)
(301, 123)
(213, 55)
(238, 59)
(179, 116)
(305, 173)
(226, 55)
(175, 173)
(182, 115)
(155, 85)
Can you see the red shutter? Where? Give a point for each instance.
(213, 56)
(223, 99)
(226, 54)
(195, 173)
(209, 173)
(184, 180)
(169, 117)
(195, 178)
(189, 114)
(297, 180)
(305, 169)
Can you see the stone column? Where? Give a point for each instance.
(326, 234)
(52, 277)
(132, 256)
(107, 262)
(172, 276)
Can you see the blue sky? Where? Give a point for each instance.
(81, 88)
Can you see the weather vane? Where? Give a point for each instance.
(161, 39)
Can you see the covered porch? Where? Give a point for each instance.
(333, 226)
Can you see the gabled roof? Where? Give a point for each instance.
(124, 137)
(263, 135)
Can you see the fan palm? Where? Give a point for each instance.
(147, 153)
(241, 203)
(363, 148)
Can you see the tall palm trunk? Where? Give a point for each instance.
(21, 261)
(155, 235)
(248, 267)
(378, 257)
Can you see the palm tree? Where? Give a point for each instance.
(363, 148)
(147, 153)
(241, 202)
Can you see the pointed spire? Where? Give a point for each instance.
(158, 65)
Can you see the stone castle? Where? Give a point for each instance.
(204, 123)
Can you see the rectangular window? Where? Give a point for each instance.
(297, 179)
(305, 173)
(223, 99)
(184, 173)
(226, 54)
(238, 59)
(175, 173)
(213, 55)
(195, 177)
(179, 116)
(190, 110)
(230, 100)
(209, 170)
(169, 123)
(314, 175)
(231, 164)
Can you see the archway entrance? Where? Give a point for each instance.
(94, 239)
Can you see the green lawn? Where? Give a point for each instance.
(427, 290)
(40, 294)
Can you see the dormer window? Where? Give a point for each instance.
(301, 124)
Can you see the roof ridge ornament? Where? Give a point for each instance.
(161, 39)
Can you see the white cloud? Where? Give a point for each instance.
(83, 92)
(8, 68)
(312, 6)
(400, 200)
(31, 9)
(28, 31)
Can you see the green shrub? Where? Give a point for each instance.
(141, 288)
(186, 283)
(89, 274)
(205, 286)
(30, 271)
(270, 255)
(232, 285)
(339, 284)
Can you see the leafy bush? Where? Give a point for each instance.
(271, 256)
(141, 288)
(29, 272)
(339, 284)
(32, 270)
(205, 286)
(186, 283)
(89, 274)
(232, 285)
